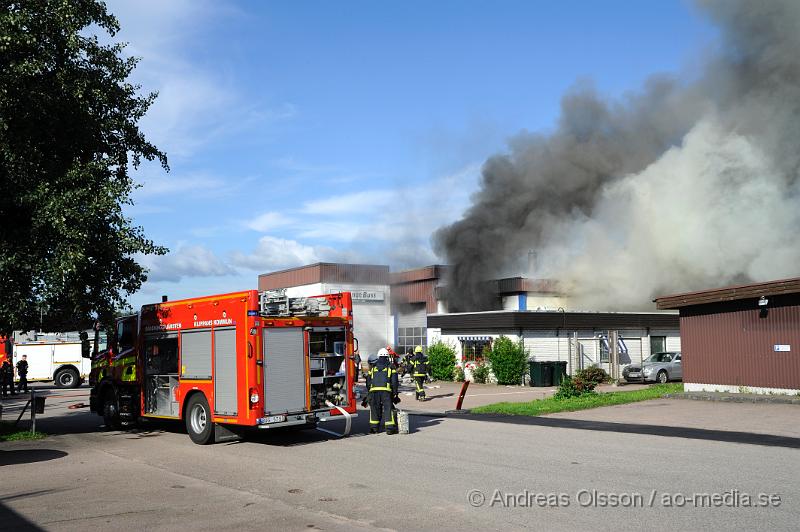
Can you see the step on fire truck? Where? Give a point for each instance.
(224, 362)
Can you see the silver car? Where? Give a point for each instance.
(658, 367)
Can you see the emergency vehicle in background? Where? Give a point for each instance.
(56, 360)
(245, 359)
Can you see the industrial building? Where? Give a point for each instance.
(740, 338)
(409, 308)
(578, 338)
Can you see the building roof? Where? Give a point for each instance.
(483, 321)
(434, 271)
(730, 293)
(325, 272)
(513, 285)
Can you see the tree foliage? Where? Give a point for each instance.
(509, 360)
(69, 137)
(442, 361)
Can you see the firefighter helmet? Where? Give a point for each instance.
(418, 349)
(382, 352)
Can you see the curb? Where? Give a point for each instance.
(428, 413)
(731, 398)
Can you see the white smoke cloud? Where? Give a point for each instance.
(694, 218)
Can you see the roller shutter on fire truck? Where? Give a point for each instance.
(225, 372)
(284, 368)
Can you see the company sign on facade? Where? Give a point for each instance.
(367, 295)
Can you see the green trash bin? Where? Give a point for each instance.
(536, 373)
(560, 371)
(548, 373)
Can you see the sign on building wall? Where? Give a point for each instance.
(782, 348)
(367, 295)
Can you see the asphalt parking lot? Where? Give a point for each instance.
(451, 473)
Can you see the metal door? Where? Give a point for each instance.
(225, 384)
(284, 371)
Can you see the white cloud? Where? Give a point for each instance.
(197, 102)
(273, 253)
(267, 221)
(185, 261)
(196, 184)
(361, 203)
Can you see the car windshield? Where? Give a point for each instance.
(659, 357)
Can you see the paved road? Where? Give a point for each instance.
(85, 479)
(443, 396)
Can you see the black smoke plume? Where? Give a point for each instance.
(687, 184)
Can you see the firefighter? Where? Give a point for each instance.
(371, 361)
(420, 372)
(7, 377)
(382, 386)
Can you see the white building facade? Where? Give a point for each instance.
(578, 338)
(368, 285)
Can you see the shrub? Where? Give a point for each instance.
(480, 373)
(458, 374)
(509, 360)
(442, 361)
(593, 374)
(573, 387)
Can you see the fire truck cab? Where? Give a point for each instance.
(225, 362)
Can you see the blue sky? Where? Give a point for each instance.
(349, 131)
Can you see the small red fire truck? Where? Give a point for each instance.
(245, 359)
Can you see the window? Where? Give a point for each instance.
(658, 344)
(161, 354)
(410, 337)
(604, 350)
(474, 350)
(126, 333)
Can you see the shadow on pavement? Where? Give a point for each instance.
(750, 438)
(27, 456)
(11, 520)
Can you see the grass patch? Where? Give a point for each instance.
(551, 406)
(8, 432)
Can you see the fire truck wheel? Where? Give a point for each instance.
(67, 378)
(111, 411)
(198, 420)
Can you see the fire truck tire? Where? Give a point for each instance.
(111, 411)
(198, 420)
(67, 378)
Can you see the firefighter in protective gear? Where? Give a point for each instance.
(382, 386)
(420, 371)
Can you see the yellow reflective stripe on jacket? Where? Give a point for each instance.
(389, 373)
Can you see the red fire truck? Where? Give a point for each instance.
(223, 362)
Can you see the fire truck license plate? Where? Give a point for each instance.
(275, 419)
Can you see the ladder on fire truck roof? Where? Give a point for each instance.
(275, 303)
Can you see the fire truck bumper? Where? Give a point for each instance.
(274, 422)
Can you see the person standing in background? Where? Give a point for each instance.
(7, 377)
(22, 372)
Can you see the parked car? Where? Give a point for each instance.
(658, 367)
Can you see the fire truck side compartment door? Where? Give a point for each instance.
(196, 354)
(225, 371)
(284, 371)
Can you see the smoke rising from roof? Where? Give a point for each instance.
(684, 185)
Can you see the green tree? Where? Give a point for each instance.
(69, 137)
(509, 360)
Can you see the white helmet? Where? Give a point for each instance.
(382, 352)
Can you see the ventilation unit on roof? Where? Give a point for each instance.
(276, 303)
